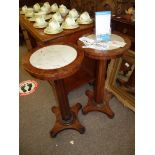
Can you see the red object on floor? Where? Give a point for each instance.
(27, 87)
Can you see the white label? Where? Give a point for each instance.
(102, 25)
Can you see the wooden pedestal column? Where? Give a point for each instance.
(96, 98)
(66, 117)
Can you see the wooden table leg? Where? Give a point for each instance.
(99, 99)
(66, 117)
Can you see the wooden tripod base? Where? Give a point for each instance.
(93, 106)
(73, 123)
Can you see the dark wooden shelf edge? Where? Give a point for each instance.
(123, 20)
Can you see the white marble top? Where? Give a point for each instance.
(117, 38)
(115, 42)
(53, 57)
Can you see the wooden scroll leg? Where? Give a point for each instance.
(90, 106)
(107, 109)
(93, 106)
(74, 123)
(96, 100)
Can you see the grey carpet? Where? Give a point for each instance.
(103, 136)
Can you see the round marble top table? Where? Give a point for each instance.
(54, 63)
(96, 97)
(53, 57)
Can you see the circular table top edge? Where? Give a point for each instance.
(107, 54)
(54, 74)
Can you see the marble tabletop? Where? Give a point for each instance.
(115, 42)
(53, 57)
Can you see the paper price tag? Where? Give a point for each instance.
(102, 25)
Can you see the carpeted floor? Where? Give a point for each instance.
(103, 136)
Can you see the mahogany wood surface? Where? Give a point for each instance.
(99, 99)
(100, 80)
(62, 98)
(66, 117)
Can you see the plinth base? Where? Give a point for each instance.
(73, 123)
(101, 107)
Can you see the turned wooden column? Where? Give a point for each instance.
(100, 80)
(63, 100)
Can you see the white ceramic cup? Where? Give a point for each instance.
(54, 25)
(46, 5)
(84, 17)
(41, 13)
(73, 13)
(36, 7)
(54, 7)
(40, 21)
(29, 12)
(57, 16)
(44, 9)
(24, 9)
(63, 10)
(70, 21)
